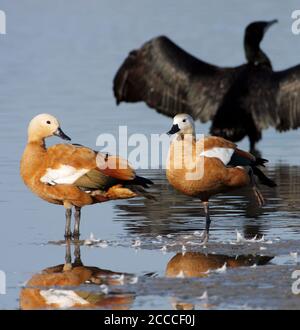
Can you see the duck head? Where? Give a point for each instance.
(43, 126)
(182, 124)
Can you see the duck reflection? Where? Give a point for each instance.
(197, 265)
(175, 212)
(53, 288)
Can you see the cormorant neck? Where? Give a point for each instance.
(256, 56)
(253, 52)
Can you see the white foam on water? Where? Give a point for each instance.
(204, 296)
(102, 244)
(198, 233)
(136, 243)
(119, 278)
(92, 240)
(193, 243)
(104, 288)
(134, 280)
(241, 239)
(294, 255)
(164, 248)
(220, 270)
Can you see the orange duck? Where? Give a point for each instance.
(74, 175)
(210, 166)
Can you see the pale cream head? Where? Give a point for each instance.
(183, 124)
(43, 126)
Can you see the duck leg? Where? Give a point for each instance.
(207, 222)
(76, 233)
(68, 233)
(257, 193)
(68, 258)
(77, 260)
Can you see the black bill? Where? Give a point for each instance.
(175, 129)
(61, 134)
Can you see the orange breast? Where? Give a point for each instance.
(201, 176)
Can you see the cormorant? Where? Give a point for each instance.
(241, 101)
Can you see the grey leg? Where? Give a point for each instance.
(77, 261)
(76, 233)
(207, 223)
(68, 258)
(256, 191)
(68, 233)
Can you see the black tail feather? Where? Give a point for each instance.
(140, 181)
(142, 192)
(263, 179)
(260, 162)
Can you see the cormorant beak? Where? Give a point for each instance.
(269, 24)
(175, 129)
(61, 134)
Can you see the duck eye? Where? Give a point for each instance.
(184, 120)
(48, 122)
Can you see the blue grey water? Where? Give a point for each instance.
(60, 57)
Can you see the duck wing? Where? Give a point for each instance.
(84, 167)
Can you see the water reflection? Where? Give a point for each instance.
(199, 265)
(53, 288)
(194, 264)
(175, 212)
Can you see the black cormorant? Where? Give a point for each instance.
(241, 101)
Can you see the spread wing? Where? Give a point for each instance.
(172, 81)
(288, 99)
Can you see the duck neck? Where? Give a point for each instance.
(186, 137)
(36, 141)
(254, 54)
(32, 158)
(35, 151)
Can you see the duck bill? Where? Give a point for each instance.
(175, 129)
(61, 134)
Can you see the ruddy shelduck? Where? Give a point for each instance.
(74, 175)
(208, 166)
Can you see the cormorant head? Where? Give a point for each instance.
(254, 34)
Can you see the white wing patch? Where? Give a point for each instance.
(65, 174)
(62, 298)
(224, 154)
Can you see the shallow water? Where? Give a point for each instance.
(61, 58)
